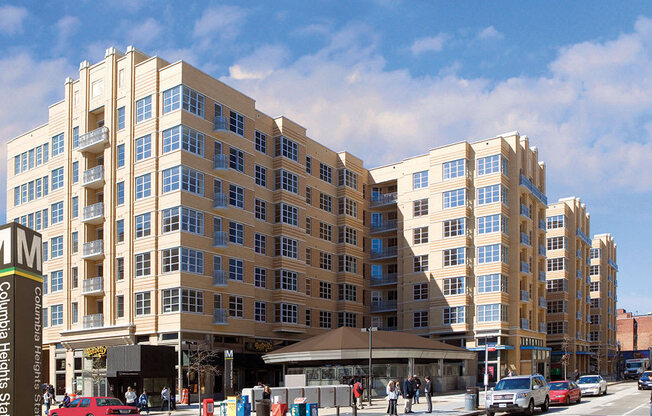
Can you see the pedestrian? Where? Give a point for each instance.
(428, 391)
(511, 373)
(417, 386)
(397, 386)
(357, 393)
(130, 397)
(143, 402)
(392, 398)
(47, 400)
(267, 393)
(408, 394)
(165, 398)
(66, 400)
(173, 401)
(576, 375)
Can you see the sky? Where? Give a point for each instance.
(388, 79)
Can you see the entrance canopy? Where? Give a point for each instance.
(352, 344)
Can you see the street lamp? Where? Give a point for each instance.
(371, 330)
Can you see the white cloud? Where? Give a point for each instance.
(260, 64)
(145, 33)
(429, 44)
(220, 22)
(66, 26)
(11, 19)
(490, 33)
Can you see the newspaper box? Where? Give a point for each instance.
(298, 409)
(279, 409)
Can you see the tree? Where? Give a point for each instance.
(203, 361)
(97, 356)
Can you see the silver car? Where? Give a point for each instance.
(519, 394)
(592, 385)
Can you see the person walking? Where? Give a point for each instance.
(358, 390)
(576, 375)
(130, 397)
(417, 387)
(267, 393)
(47, 401)
(428, 390)
(408, 394)
(165, 398)
(392, 398)
(143, 402)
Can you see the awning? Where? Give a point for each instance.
(535, 347)
(497, 347)
(571, 353)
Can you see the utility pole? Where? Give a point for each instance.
(371, 330)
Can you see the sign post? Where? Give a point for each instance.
(21, 299)
(228, 373)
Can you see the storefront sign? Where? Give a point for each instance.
(228, 372)
(259, 345)
(21, 291)
(96, 352)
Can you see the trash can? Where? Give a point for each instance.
(471, 399)
(263, 407)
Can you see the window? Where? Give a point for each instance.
(236, 269)
(57, 178)
(454, 256)
(420, 235)
(193, 102)
(56, 315)
(261, 176)
(348, 235)
(144, 109)
(348, 178)
(492, 224)
(348, 264)
(236, 307)
(17, 164)
(421, 263)
(556, 243)
(556, 285)
(260, 311)
(492, 283)
(595, 320)
(121, 155)
(143, 225)
(492, 253)
(556, 221)
(236, 232)
(260, 243)
(558, 327)
(557, 306)
(420, 319)
(325, 202)
(287, 247)
(421, 207)
(492, 312)
(454, 168)
(75, 172)
(121, 118)
(143, 303)
(286, 280)
(420, 179)
(56, 244)
(325, 231)
(143, 264)
(56, 281)
(57, 145)
(288, 313)
(325, 261)
(236, 159)
(594, 270)
(287, 214)
(308, 165)
(120, 268)
(260, 209)
(492, 164)
(260, 277)
(287, 181)
(57, 212)
(120, 230)
(325, 319)
(594, 287)
(454, 315)
(348, 207)
(236, 123)
(185, 178)
(143, 147)
(74, 244)
(170, 300)
(555, 264)
(348, 292)
(453, 286)
(348, 319)
(236, 196)
(45, 315)
(74, 309)
(172, 99)
(143, 186)
(308, 195)
(420, 291)
(492, 193)
(120, 193)
(325, 173)
(325, 290)
(455, 227)
(454, 198)
(185, 138)
(594, 253)
(287, 148)
(261, 142)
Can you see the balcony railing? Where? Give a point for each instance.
(94, 177)
(220, 162)
(542, 276)
(93, 285)
(542, 224)
(93, 250)
(542, 250)
(543, 303)
(220, 239)
(383, 199)
(525, 267)
(525, 239)
(525, 296)
(583, 236)
(524, 181)
(220, 123)
(542, 327)
(220, 201)
(383, 280)
(384, 226)
(613, 264)
(93, 141)
(219, 278)
(525, 211)
(525, 323)
(387, 252)
(383, 305)
(93, 214)
(93, 321)
(579, 274)
(220, 317)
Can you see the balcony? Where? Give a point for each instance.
(220, 239)
(220, 162)
(542, 276)
(220, 123)
(378, 200)
(220, 317)
(525, 239)
(383, 306)
(543, 303)
(384, 280)
(542, 327)
(542, 224)
(93, 214)
(93, 286)
(219, 278)
(583, 236)
(525, 296)
(93, 250)
(525, 267)
(525, 211)
(93, 321)
(385, 253)
(93, 141)
(93, 178)
(542, 250)
(613, 264)
(524, 181)
(579, 274)
(388, 225)
(220, 201)
(525, 323)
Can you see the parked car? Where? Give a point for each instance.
(564, 392)
(83, 406)
(645, 382)
(592, 385)
(519, 394)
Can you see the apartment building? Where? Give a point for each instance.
(457, 250)
(634, 332)
(603, 270)
(567, 283)
(173, 212)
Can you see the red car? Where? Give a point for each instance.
(94, 406)
(564, 392)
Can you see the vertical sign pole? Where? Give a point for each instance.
(228, 373)
(486, 370)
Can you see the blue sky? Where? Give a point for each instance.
(388, 79)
